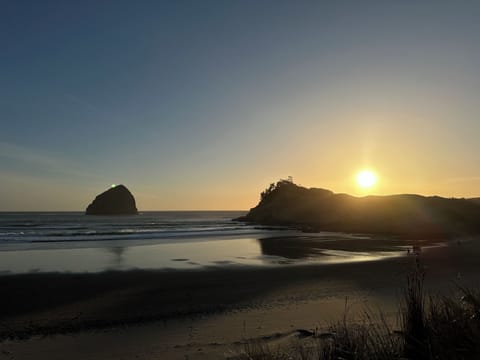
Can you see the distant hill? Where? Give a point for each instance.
(286, 203)
(475, 200)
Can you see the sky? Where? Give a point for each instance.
(200, 105)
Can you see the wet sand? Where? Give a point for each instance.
(205, 313)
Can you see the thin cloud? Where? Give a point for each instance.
(42, 159)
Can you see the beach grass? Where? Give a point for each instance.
(429, 327)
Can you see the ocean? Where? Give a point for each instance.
(74, 242)
(60, 229)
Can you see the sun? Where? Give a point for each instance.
(366, 179)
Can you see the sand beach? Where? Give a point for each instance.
(208, 313)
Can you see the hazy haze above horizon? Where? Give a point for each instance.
(202, 104)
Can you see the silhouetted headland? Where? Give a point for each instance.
(287, 204)
(115, 201)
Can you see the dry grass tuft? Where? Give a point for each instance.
(432, 328)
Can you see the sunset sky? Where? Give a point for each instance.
(202, 104)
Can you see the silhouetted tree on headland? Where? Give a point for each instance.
(273, 186)
(267, 191)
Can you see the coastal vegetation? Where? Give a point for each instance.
(430, 328)
(409, 215)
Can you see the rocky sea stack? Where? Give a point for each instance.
(115, 201)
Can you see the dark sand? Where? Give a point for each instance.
(204, 313)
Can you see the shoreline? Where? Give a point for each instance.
(44, 313)
(70, 302)
(269, 250)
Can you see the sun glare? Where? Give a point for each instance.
(366, 179)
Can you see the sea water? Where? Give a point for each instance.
(75, 242)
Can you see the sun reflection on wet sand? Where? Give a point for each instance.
(325, 249)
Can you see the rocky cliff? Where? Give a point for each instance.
(313, 209)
